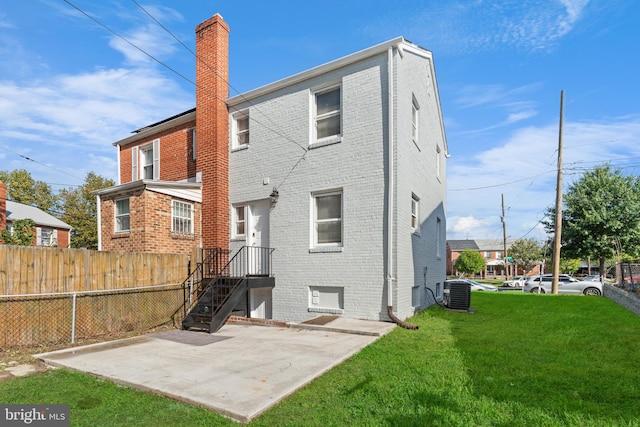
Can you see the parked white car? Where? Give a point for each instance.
(566, 285)
(515, 282)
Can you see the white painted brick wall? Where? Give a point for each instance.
(357, 165)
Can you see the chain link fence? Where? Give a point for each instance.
(44, 319)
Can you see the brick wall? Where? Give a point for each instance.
(176, 154)
(150, 225)
(212, 128)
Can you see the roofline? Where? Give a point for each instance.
(177, 120)
(324, 68)
(147, 183)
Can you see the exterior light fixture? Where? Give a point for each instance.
(274, 195)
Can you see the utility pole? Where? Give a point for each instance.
(504, 242)
(558, 224)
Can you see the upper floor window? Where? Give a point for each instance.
(241, 129)
(414, 119)
(327, 113)
(239, 222)
(193, 143)
(145, 161)
(438, 237)
(438, 161)
(327, 219)
(181, 217)
(122, 219)
(487, 254)
(415, 212)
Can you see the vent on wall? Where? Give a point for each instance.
(457, 295)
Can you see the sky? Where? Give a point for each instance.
(73, 80)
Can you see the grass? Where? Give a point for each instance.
(519, 360)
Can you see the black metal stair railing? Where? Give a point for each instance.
(214, 260)
(216, 297)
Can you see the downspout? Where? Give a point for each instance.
(390, 279)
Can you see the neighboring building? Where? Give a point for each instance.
(341, 169)
(50, 231)
(492, 251)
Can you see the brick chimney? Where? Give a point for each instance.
(212, 129)
(3, 206)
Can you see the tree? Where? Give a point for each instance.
(22, 233)
(79, 210)
(470, 262)
(569, 265)
(22, 188)
(601, 216)
(526, 253)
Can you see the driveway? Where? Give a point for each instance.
(239, 372)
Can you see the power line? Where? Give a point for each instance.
(279, 132)
(37, 162)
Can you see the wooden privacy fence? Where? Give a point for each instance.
(26, 270)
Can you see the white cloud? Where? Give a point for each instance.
(524, 169)
(496, 25)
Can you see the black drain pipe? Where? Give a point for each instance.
(397, 321)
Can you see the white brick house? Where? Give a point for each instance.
(355, 151)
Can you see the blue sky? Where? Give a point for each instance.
(69, 87)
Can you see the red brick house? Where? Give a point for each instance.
(49, 230)
(174, 173)
(493, 253)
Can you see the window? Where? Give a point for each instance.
(145, 161)
(438, 238)
(414, 119)
(122, 218)
(327, 113)
(438, 160)
(327, 219)
(193, 143)
(181, 217)
(239, 222)
(241, 127)
(46, 237)
(487, 254)
(415, 212)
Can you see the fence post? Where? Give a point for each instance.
(73, 319)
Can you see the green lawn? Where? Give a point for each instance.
(519, 360)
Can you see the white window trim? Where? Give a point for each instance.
(193, 143)
(415, 214)
(235, 145)
(332, 246)
(332, 139)
(137, 159)
(134, 164)
(116, 216)
(186, 205)
(415, 121)
(438, 238)
(234, 215)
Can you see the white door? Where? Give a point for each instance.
(259, 224)
(258, 237)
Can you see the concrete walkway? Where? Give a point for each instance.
(239, 372)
